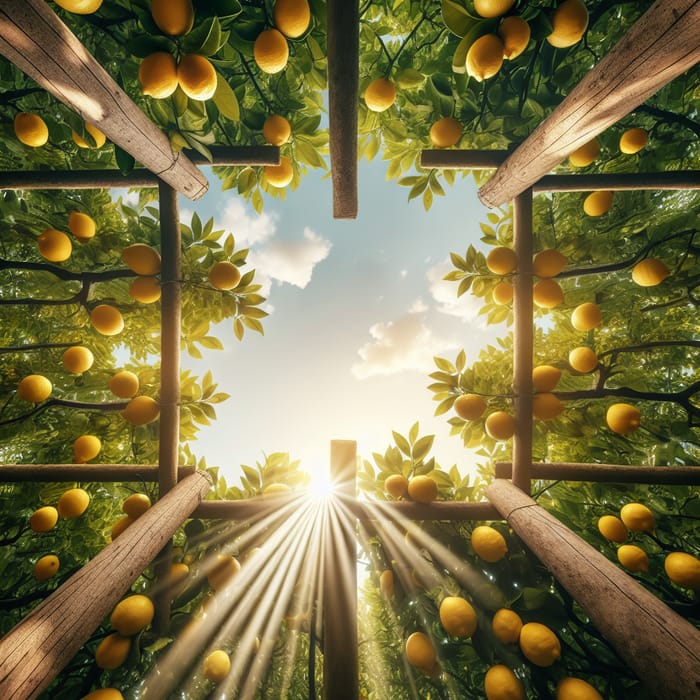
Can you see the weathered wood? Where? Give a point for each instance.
(84, 472)
(522, 340)
(343, 48)
(40, 44)
(660, 46)
(672, 180)
(340, 654)
(660, 646)
(462, 159)
(607, 473)
(35, 651)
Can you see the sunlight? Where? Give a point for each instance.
(321, 487)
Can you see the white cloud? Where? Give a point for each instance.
(418, 307)
(444, 293)
(247, 229)
(291, 261)
(397, 346)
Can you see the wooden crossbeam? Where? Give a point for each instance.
(12, 473)
(34, 38)
(660, 46)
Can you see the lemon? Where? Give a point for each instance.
(107, 320)
(85, 448)
(548, 263)
(583, 359)
(500, 683)
(420, 652)
(136, 504)
(501, 260)
(485, 57)
(569, 22)
(271, 51)
(73, 503)
(46, 567)
(224, 570)
(132, 614)
(386, 583)
(633, 140)
(380, 95)
(124, 384)
(43, 519)
(279, 175)
(112, 651)
(422, 489)
(586, 316)
(54, 245)
(546, 406)
(458, 617)
(120, 526)
(396, 486)
(499, 425)
(224, 275)
(576, 689)
(502, 293)
(77, 359)
(545, 378)
(141, 410)
(142, 259)
(612, 528)
(683, 569)
(179, 571)
(633, 558)
(276, 130)
(586, 154)
(292, 17)
(539, 644)
(80, 7)
(622, 418)
(598, 203)
(488, 543)
(445, 132)
(104, 694)
(506, 625)
(34, 388)
(197, 77)
(216, 666)
(650, 272)
(637, 517)
(147, 290)
(515, 34)
(469, 406)
(547, 294)
(173, 17)
(99, 138)
(81, 226)
(492, 8)
(31, 129)
(158, 75)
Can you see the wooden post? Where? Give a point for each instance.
(607, 473)
(660, 46)
(34, 652)
(39, 43)
(660, 646)
(84, 472)
(340, 655)
(343, 40)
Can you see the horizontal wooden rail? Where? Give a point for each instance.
(84, 472)
(462, 159)
(607, 473)
(673, 180)
(34, 38)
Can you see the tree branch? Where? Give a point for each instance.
(65, 403)
(37, 346)
(67, 275)
(670, 117)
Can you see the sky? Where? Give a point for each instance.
(357, 310)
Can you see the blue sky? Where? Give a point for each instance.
(358, 309)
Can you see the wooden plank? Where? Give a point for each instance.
(607, 473)
(660, 46)
(343, 47)
(36, 649)
(672, 180)
(40, 44)
(462, 159)
(660, 646)
(341, 675)
(84, 472)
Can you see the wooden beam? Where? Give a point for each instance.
(660, 46)
(462, 159)
(607, 473)
(672, 180)
(36, 649)
(40, 44)
(341, 675)
(343, 47)
(660, 646)
(84, 472)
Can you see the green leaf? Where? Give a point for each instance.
(444, 365)
(225, 99)
(125, 161)
(401, 443)
(458, 261)
(461, 360)
(413, 432)
(204, 39)
(422, 447)
(456, 17)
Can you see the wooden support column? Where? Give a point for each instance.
(340, 654)
(35, 651)
(522, 340)
(660, 46)
(40, 44)
(84, 472)
(660, 646)
(343, 39)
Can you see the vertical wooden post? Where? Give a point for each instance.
(661, 647)
(340, 652)
(522, 340)
(35, 651)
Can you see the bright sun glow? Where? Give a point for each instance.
(321, 486)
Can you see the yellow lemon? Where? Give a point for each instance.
(54, 245)
(271, 51)
(396, 486)
(112, 651)
(141, 410)
(515, 34)
(142, 259)
(546, 406)
(586, 154)
(380, 95)
(147, 290)
(500, 425)
(650, 272)
(469, 406)
(104, 694)
(502, 293)
(445, 132)
(224, 570)
(197, 76)
(633, 140)
(34, 388)
(224, 275)
(569, 22)
(31, 129)
(492, 8)
(107, 320)
(276, 130)
(46, 567)
(612, 528)
(158, 75)
(576, 689)
(586, 317)
(598, 203)
(292, 17)
(637, 517)
(422, 489)
(136, 505)
(174, 17)
(386, 583)
(99, 138)
(622, 418)
(488, 543)
(548, 263)
(501, 260)
(545, 378)
(583, 359)
(216, 666)
(81, 226)
(80, 7)
(420, 651)
(73, 503)
(547, 294)
(506, 625)
(485, 57)
(120, 526)
(77, 359)
(85, 448)
(132, 614)
(633, 558)
(539, 644)
(43, 519)
(124, 384)
(500, 683)
(279, 175)
(683, 569)
(457, 616)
